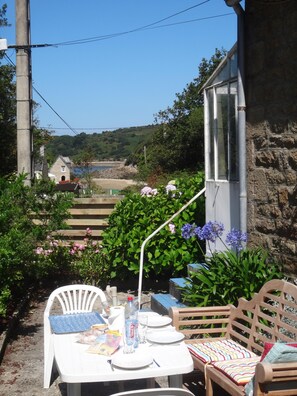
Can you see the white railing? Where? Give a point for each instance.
(153, 234)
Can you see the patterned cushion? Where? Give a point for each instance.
(221, 350)
(279, 353)
(74, 323)
(240, 370)
(269, 345)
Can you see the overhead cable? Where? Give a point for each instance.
(51, 107)
(90, 39)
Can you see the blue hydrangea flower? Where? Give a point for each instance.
(188, 230)
(235, 239)
(211, 231)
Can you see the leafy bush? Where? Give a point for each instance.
(139, 215)
(227, 276)
(83, 261)
(88, 261)
(52, 257)
(20, 233)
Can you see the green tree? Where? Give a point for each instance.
(8, 134)
(7, 109)
(178, 142)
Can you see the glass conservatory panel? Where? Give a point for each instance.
(222, 131)
(210, 137)
(233, 65)
(233, 136)
(223, 75)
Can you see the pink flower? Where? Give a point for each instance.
(170, 187)
(88, 231)
(171, 228)
(146, 191)
(39, 250)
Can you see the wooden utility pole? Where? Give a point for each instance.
(24, 90)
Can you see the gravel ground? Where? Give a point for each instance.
(21, 370)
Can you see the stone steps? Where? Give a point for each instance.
(161, 303)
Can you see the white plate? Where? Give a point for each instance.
(148, 313)
(132, 361)
(158, 321)
(165, 337)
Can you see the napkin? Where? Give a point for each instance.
(116, 320)
(107, 346)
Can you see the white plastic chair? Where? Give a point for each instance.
(156, 392)
(72, 299)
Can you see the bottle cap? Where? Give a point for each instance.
(130, 298)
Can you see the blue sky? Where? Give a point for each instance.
(125, 80)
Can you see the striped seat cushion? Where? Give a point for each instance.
(221, 350)
(240, 370)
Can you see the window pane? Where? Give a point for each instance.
(233, 133)
(222, 129)
(210, 135)
(233, 65)
(223, 75)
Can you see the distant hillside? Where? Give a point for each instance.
(116, 145)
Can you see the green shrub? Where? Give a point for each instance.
(84, 262)
(88, 261)
(137, 216)
(20, 234)
(228, 275)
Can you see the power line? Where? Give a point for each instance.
(86, 129)
(51, 107)
(93, 129)
(150, 26)
(74, 130)
(106, 37)
(57, 114)
(110, 36)
(96, 38)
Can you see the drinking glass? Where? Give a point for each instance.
(142, 328)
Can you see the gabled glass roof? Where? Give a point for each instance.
(227, 69)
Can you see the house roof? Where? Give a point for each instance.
(66, 160)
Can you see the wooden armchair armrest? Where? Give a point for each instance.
(201, 322)
(276, 372)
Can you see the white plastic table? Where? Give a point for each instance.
(77, 366)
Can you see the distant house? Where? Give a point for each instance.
(61, 169)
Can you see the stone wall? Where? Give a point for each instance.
(56, 170)
(271, 99)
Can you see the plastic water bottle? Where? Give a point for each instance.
(129, 308)
(131, 324)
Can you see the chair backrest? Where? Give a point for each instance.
(270, 316)
(71, 299)
(75, 298)
(156, 392)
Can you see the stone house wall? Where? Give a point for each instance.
(271, 132)
(60, 169)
